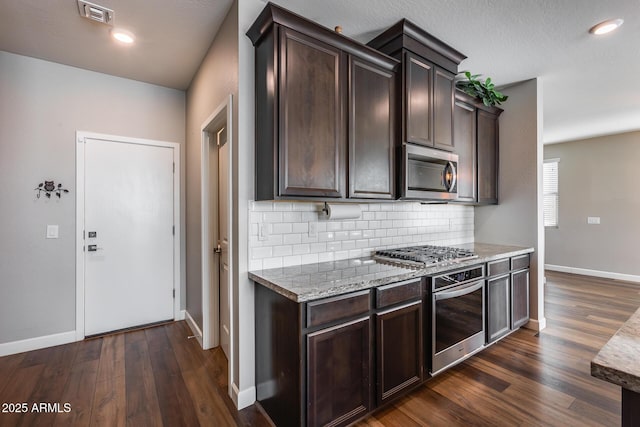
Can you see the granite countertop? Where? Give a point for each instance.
(314, 281)
(618, 362)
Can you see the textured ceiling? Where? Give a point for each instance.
(587, 87)
(172, 36)
(587, 81)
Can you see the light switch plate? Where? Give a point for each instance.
(52, 231)
(593, 220)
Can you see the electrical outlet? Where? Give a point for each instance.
(263, 231)
(313, 229)
(593, 220)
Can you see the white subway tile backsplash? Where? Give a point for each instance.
(289, 261)
(300, 227)
(292, 239)
(301, 249)
(282, 250)
(292, 216)
(381, 225)
(261, 252)
(282, 228)
(341, 235)
(272, 217)
(275, 262)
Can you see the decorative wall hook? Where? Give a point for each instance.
(49, 187)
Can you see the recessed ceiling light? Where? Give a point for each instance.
(606, 26)
(122, 36)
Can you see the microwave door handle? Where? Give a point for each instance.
(454, 176)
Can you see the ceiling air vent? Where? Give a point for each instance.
(95, 12)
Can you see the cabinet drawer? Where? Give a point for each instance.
(495, 268)
(520, 262)
(398, 292)
(335, 308)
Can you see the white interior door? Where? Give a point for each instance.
(129, 234)
(223, 233)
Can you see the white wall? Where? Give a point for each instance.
(517, 220)
(597, 177)
(42, 104)
(216, 78)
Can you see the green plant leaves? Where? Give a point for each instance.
(484, 90)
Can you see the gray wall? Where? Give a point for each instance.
(597, 177)
(517, 219)
(42, 104)
(216, 78)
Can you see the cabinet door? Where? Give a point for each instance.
(487, 157)
(519, 298)
(464, 136)
(418, 98)
(338, 369)
(399, 341)
(311, 124)
(498, 308)
(371, 131)
(443, 92)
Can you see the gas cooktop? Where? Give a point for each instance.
(423, 256)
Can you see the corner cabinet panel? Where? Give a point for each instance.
(399, 341)
(418, 98)
(487, 157)
(338, 370)
(443, 93)
(371, 131)
(312, 124)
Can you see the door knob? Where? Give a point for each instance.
(217, 249)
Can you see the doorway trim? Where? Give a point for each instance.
(210, 336)
(80, 217)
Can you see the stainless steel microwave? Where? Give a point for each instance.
(428, 174)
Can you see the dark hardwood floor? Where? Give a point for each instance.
(151, 377)
(157, 377)
(530, 380)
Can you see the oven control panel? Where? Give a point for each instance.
(457, 277)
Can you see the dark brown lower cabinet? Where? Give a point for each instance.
(520, 298)
(507, 305)
(399, 344)
(338, 367)
(498, 308)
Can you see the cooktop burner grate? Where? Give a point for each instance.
(422, 256)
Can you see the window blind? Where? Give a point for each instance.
(550, 190)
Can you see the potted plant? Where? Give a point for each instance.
(484, 90)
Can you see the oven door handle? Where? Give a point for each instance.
(458, 292)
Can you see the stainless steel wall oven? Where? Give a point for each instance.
(457, 316)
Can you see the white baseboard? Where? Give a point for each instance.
(180, 315)
(594, 273)
(244, 398)
(37, 343)
(195, 330)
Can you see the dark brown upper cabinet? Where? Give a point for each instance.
(311, 117)
(475, 136)
(427, 89)
(325, 107)
(464, 136)
(371, 131)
